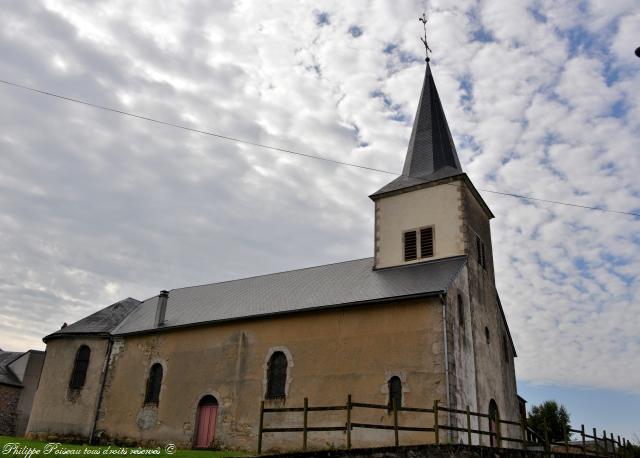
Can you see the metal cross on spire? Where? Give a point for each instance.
(427, 49)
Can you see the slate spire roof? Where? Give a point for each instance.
(431, 154)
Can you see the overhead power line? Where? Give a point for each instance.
(191, 129)
(288, 151)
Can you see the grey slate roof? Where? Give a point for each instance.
(345, 283)
(431, 154)
(101, 322)
(6, 376)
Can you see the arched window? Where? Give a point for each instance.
(395, 392)
(494, 417)
(80, 367)
(154, 382)
(276, 375)
(460, 310)
(487, 335)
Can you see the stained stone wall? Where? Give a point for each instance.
(9, 397)
(330, 354)
(58, 411)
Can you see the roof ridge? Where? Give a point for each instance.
(264, 275)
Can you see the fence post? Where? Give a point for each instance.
(595, 440)
(468, 426)
(613, 445)
(260, 427)
(395, 421)
(435, 420)
(523, 433)
(604, 437)
(546, 436)
(584, 444)
(565, 438)
(349, 421)
(304, 423)
(498, 431)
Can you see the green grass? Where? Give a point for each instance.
(30, 449)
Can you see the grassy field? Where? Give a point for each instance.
(20, 447)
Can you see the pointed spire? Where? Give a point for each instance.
(431, 147)
(431, 154)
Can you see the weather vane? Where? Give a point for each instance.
(427, 49)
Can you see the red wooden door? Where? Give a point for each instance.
(206, 425)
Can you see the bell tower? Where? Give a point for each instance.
(423, 215)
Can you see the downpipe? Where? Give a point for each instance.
(103, 379)
(446, 362)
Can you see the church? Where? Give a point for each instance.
(419, 321)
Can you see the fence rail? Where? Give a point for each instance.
(528, 437)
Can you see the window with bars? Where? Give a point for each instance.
(154, 383)
(418, 243)
(395, 392)
(277, 376)
(80, 366)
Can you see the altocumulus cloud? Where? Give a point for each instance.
(541, 96)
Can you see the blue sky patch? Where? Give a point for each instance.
(619, 109)
(322, 18)
(467, 89)
(538, 15)
(355, 31)
(396, 113)
(482, 35)
(390, 48)
(400, 117)
(613, 410)
(579, 39)
(408, 58)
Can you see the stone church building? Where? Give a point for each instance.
(419, 321)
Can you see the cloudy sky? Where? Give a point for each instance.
(541, 96)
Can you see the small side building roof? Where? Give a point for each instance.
(7, 377)
(346, 283)
(100, 323)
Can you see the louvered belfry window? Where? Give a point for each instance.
(418, 244)
(426, 242)
(410, 246)
(395, 392)
(154, 383)
(80, 367)
(277, 376)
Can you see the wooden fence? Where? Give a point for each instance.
(527, 437)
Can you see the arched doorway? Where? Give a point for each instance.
(494, 417)
(206, 421)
